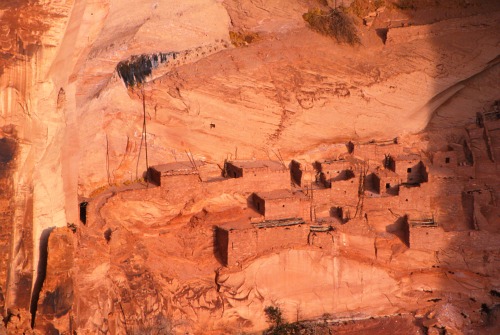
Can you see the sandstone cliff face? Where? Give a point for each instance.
(249, 80)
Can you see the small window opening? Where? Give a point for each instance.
(387, 185)
(447, 160)
(408, 170)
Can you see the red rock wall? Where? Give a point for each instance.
(375, 152)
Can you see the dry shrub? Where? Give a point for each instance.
(361, 8)
(240, 39)
(334, 23)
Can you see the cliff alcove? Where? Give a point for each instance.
(181, 167)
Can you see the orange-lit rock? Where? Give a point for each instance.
(390, 205)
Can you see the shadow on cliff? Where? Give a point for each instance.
(464, 180)
(41, 273)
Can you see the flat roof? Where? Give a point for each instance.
(280, 194)
(258, 164)
(177, 168)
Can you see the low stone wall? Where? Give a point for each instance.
(236, 245)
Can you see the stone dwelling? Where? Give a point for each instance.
(334, 170)
(410, 169)
(282, 204)
(385, 182)
(445, 159)
(263, 174)
(240, 241)
(175, 175)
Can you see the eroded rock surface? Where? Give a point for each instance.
(248, 80)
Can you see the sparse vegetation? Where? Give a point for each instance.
(334, 23)
(278, 325)
(241, 39)
(361, 8)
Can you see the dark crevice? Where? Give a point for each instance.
(42, 272)
(495, 293)
(83, 212)
(107, 234)
(136, 69)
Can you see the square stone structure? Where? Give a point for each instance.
(260, 174)
(176, 175)
(411, 169)
(335, 170)
(282, 204)
(240, 241)
(386, 182)
(446, 159)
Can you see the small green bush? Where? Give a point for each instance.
(333, 23)
(278, 324)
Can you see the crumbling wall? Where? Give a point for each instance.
(323, 240)
(246, 243)
(428, 238)
(242, 244)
